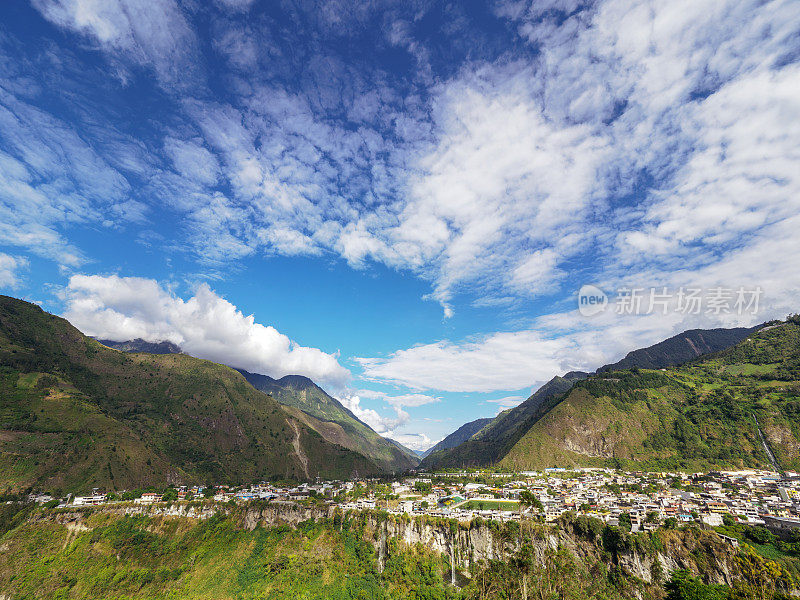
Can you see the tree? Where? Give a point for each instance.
(684, 587)
(527, 498)
(170, 495)
(422, 487)
(728, 520)
(625, 521)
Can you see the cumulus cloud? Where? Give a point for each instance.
(205, 325)
(380, 423)
(388, 426)
(414, 441)
(10, 267)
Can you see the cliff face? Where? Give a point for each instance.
(702, 553)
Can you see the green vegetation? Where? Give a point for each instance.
(702, 416)
(76, 415)
(785, 552)
(331, 419)
(103, 554)
(483, 504)
(497, 439)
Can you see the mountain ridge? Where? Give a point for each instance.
(302, 393)
(460, 435)
(75, 414)
(495, 439)
(708, 413)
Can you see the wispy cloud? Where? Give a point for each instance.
(10, 268)
(146, 33)
(633, 143)
(507, 402)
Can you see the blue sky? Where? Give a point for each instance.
(398, 199)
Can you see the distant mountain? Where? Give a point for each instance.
(140, 345)
(497, 438)
(681, 348)
(488, 445)
(460, 435)
(302, 393)
(75, 414)
(412, 455)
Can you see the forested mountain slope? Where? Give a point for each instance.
(302, 393)
(75, 414)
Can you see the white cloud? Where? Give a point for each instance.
(661, 131)
(10, 266)
(152, 33)
(500, 361)
(205, 325)
(192, 160)
(414, 441)
(410, 400)
(566, 341)
(381, 424)
(650, 142)
(507, 402)
(388, 426)
(52, 178)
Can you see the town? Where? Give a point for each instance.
(636, 500)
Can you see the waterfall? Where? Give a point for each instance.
(770, 455)
(452, 562)
(381, 543)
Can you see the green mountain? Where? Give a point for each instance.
(710, 413)
(495, 441)
(459, 436)
(341, 424)
(490, 443)
(681, 348)
(140, 345)
(75, 414)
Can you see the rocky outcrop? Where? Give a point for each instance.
(465, 544)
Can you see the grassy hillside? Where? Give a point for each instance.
(75, 414)
(301, 392)
(701, 415)
(109, 556)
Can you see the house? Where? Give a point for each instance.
(92, 500)
(148, 498)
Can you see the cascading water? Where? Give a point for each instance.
(452, 563)
(770, 455)
(381, 545)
